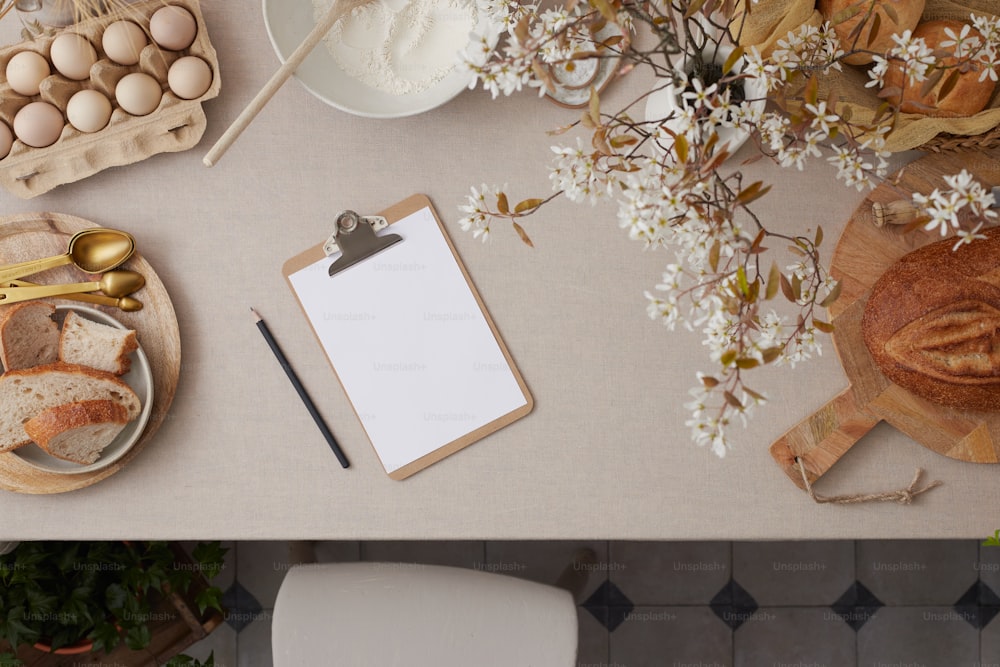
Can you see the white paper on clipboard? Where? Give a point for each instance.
(413, 347)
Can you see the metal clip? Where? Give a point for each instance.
(355, 239)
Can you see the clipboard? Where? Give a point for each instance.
(408, 336)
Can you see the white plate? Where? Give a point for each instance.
(290, 21)
(139, 377)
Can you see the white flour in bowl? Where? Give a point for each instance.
(400, 46)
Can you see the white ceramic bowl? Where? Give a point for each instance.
(290, 21)
(139, 377)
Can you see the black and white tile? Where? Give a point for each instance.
(926, 603)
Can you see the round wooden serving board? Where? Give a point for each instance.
(35, 235)
(862, 255)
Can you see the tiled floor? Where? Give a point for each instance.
(697, 604)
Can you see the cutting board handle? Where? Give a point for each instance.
(823, 438)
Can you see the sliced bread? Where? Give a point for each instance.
(97, 345)
(77, 432)
(28, 335)
(25, 393)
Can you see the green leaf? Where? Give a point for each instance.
(138, 637)
(747, 363)
(741, 281)
(713, 256)
(993, 541)
(210, 598)
(116, 597)
(819, 237)
(728, 357)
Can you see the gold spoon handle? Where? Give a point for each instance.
(12, 271)
(124, 303)
(16, 294)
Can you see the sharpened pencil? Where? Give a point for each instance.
(273, 344)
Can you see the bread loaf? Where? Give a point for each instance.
(932, 323)
(97, 345)
(969, 95)
(77, 432)
(28, 335)
(902, 15)
(26, 393)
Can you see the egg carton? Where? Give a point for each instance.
(175, 125)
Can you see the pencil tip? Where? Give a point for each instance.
(256, 315)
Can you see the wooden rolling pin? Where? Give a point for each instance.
(903, 211)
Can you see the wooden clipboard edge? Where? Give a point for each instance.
(393, 214)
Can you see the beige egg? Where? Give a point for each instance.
(88, 111)
(173, 27)
(189, 77)
(123, 41)
(38, 124)
(25, 72)
(138, 93)
(6, 140)
(73, 55)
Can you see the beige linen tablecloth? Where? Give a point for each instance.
(605, 454)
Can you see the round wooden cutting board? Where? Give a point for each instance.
(35, 235)
(863, 253)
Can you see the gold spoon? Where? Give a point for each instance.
(126, 303)
(93, 250)
(112, 283)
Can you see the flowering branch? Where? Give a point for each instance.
(673, 187)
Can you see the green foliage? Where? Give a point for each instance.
(993, 541)
(62, 592)
(187, 661)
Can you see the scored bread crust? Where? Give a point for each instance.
(25, 393)
(78, 431)
(932, 323)
(969, 95)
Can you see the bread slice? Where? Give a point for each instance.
(77, 432)
(25, 393)
(28, 335)
(97, 345)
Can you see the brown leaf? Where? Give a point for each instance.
(713, 256)
(527, 205)
(681, 148)
(932, 80)
(832, 296)
(752, 192)
(747, 363)
(693, 8)
(873, 33)
(523, 234)
(770, 354)
(819, 236)
(773, 280)
(825, 327)
(786, 287)
(737, 53)
(732, 400)
(949, 84)
(709, 382)
(594, 106)
(502, 203)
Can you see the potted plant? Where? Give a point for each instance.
(93, 596)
